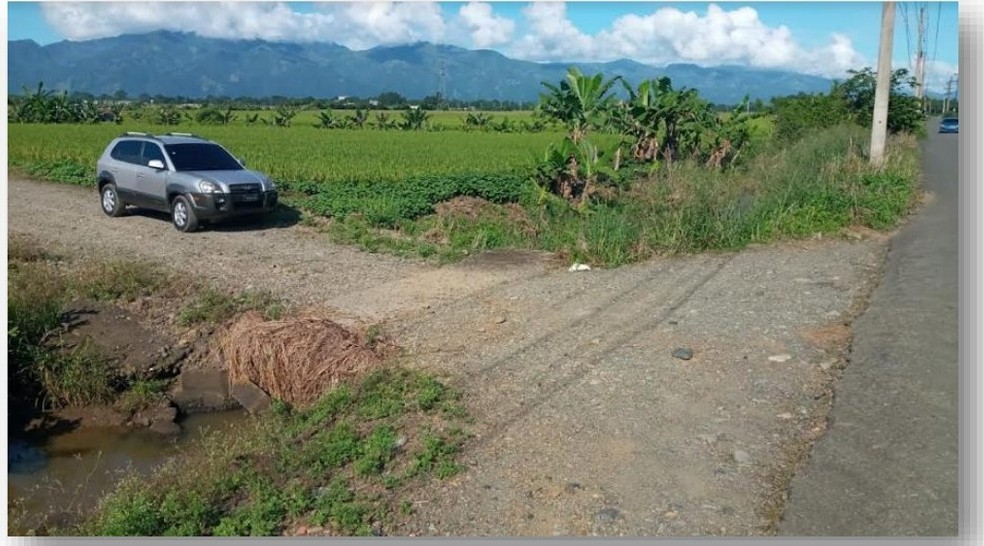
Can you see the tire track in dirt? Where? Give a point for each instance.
(554, 378)
(617, 437)
(272, 253)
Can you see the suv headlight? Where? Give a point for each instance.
(271, 184)
(205, 186)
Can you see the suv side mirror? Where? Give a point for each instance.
(241, 161)
(156, 164)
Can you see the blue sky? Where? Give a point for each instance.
(823, 38)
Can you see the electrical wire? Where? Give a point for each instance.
(908, 38)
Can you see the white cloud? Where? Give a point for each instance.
(487, 29)
(719, 35)
(667, 35)
(937, 74)
(833, 60)
(356, 24)
(552, 36)
(366, 24)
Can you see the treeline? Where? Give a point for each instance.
(385, 101)
(389, 100)
(852, 100)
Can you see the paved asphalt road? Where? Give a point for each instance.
(888, 464)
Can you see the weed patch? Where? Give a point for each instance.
(822, 183)
(213, 306)
(343, 463)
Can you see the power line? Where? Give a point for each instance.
(908, 38)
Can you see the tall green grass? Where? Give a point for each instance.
(820, 184)
(38, 288)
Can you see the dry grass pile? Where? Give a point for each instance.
(296, 359)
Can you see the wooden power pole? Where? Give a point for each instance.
(921, 56)
(879, 118)
(949, 93)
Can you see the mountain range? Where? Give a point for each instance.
(184, 64)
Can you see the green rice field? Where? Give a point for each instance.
(304, 153)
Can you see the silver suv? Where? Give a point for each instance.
(192, 178)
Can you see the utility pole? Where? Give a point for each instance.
(879, 118)
(949, 93)
(921, 57)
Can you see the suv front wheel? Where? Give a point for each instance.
(110, 200)
(183, 215)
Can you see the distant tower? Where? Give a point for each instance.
(442, 89)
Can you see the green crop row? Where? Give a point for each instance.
(302, 153)
(386, 204)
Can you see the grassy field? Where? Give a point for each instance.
(303, 153)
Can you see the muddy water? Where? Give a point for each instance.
(64, 475)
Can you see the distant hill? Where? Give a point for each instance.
(172, 64)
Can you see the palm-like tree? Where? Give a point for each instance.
(578, 102)
(359, 118)
(414, 119)
(665, 123)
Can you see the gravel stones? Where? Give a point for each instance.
(683, 353)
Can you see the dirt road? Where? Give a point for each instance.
(585, 423)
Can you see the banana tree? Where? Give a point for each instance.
(414, 119)
(36, 106)
(167, 115)
(283, 115)
(116, 110)
(85, 112)
(729, 136)
(579, 102)
(665, 123)
(479, 120)
(383, 121)
(358, 118)
(228, 117)
(326, 120)
(573, 170)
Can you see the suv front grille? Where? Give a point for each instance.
(244, 188)
(246, 196)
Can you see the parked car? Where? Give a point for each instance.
(190, 177)
(948, 125)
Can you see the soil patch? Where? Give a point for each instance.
(119, 335)
(463, 207)
(832, 337)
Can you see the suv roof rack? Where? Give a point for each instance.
(135, 133)
(185, 135)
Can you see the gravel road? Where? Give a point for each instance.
(585, 422)
(889, 465)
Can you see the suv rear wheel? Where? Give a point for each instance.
(183, 215)
(110, 200)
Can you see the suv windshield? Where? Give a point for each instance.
(201, 157)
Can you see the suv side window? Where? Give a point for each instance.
(127, 151)
(151, 151)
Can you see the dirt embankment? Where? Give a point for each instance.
(585, 421)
